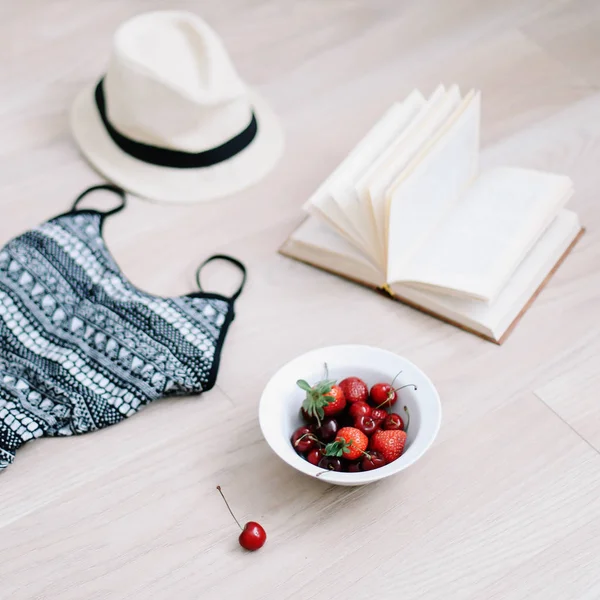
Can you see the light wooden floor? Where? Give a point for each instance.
(507, 503)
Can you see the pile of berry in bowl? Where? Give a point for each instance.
(350, 415)
(347, 428)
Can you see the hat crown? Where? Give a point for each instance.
(170, 83)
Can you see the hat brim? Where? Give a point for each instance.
(168, 184)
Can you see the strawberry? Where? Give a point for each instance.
(350, 443)
(389, 443)
(323, 399)
(355, 389)
(337, 402)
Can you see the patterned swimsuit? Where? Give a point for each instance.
(81, 348)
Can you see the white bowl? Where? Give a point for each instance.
(279, 411)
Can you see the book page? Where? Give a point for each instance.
(333, 189)
(372, 187)
(493, 319)
(315, 243)
(343, 188)
(328, 211)
(433, 183)
(476, 249)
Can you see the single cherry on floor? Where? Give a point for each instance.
(253, 535)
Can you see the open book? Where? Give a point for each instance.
(408, 212)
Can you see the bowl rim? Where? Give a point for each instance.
(363, 477)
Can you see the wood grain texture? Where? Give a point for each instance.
(506, 503)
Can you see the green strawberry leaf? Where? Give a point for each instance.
(338, 448)
(316, 397)
(325, 385)
(303, 385)
(334, 449)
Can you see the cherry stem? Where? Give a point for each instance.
(327, 470)
(315, 415)
(391, 393)
(407, 419)
(392, 384)
(229, 507)
(405, 386)
(308, 435)
(326, 371)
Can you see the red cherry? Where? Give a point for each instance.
(353, 467)
(383, 394)
(314, 456)
(303, 440)
(359, 409)
(328, 430)
(330, 463)
(393, 421)
(253, 535)
(367, 425)
(355, 389)
(307, 418)
(373, 460)
(379, 414)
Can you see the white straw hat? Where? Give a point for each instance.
(171, 120)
